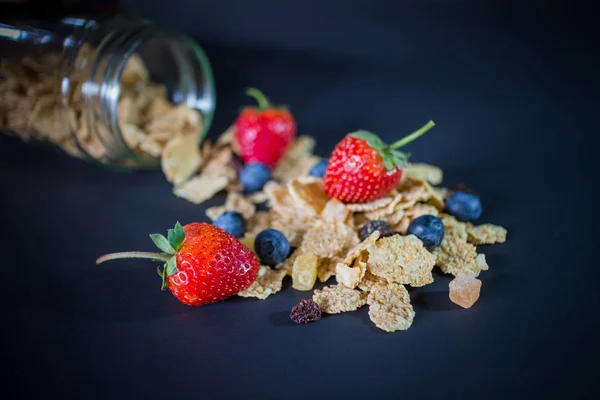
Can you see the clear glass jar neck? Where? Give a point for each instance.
(176, 60)
(66, 81)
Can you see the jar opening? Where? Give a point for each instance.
(146, 85)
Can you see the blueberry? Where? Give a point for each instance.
(271, 246)
(232, 222)
(375, 225)
(464, 206)
(318, 170)
(254, 176)
(429, 229)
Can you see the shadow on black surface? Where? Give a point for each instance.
(281, 318)
(363, 315)
(432, 301)
(106, 295)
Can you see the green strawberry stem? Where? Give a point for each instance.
(263, 101)
(407, 139)
(134, 254)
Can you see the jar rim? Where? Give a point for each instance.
(203, 98)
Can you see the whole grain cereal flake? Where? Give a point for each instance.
(260, 221)
(288, 264)
(370, 206)
(328, 239)
(348, 276)
(485, 234)
(201, 188)
(268, 282)
(181, 158)
(453, 227)
(327, 268)
(357, 250)
(430, 173)
(381, 213)
(401, 259)
(389, 307)
(413, 212)
(309, 194)
(455, 255)
(369, 280)
(337, 299)
(234, 202)
(335, 210)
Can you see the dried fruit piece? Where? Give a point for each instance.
(465, 290)
(304, 272)
(389, 307)
(268, 282)
(371, 226)
(181, 158)
(486, 234)
(401, 259)
(338, 298)
(248, 241)
(304, 312)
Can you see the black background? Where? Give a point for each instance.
(512, 88)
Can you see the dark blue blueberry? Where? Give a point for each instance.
(271, 246)
(375, 225)
(429, 229)
(254, 176)
(464, 206)
(318, 170)
(232, 222)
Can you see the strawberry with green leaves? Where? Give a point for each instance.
(362, 168)
(202, 263)
(264, 133)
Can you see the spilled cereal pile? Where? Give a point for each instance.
(324, 235)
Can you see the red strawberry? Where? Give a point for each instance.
(202, 263)
(264, 133)
(362, 168)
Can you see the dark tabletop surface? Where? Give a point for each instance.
(513, 99)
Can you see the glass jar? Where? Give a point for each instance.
(113, 90)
